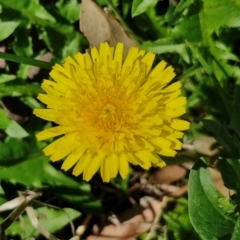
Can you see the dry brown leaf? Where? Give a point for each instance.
(207, 146)
(218, 183)
(168, 175)
(99, 26)
(133, 221)
(2, 61)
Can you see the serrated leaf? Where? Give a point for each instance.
(189, 27)
(7, 28)
(140, 6)
(166, 45)
(15, 130)
(50, 219)
(202, 19)
(207, 217)
(69, 9)
(227, 9)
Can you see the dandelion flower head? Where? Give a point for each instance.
(112, 111)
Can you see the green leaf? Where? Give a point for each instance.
(69, 10)
(227, 9)
(22, 45)
(38, 15)
(235, 119)
(230, 171)
(4, 120)
(18, 90)
(236, 232)
(6, 78)
(33, 6)
(222, 136)
(189, 27)
(140, 6)
(166, 45)
(12, 149)
(36, 171)
(15, 130)
(7, 28)
(207, 217)
(50, 219)
(202, 19)
(183, 4)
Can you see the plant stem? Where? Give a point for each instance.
(26, 60)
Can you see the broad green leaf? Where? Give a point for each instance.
(222, 136)
(36, 171)
(50, 219)
(208, 219)
(7, 28)
(140, 6)
(236, 232)
(15, 130)
(4, 120)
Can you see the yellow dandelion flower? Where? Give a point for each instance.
(111, 112)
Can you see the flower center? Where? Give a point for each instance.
(108, 110)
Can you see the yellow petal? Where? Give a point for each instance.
(93, 166)
(177, 103)
(123, 166)
(148, 60)
(82, 163)
(144, 161)
(113, 164)
(167, 152)
(72, 159)
(53, 132)
(46, 114)
(180, 125)
(94, 54)
(104, 171)
(51, 148)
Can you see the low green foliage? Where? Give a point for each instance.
(199, 38)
